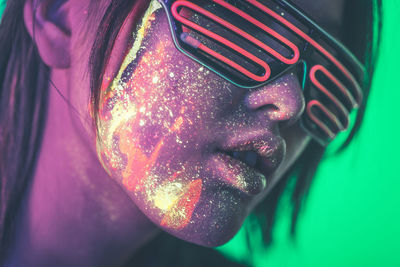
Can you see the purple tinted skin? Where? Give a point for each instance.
(82, 211)
(164, 124)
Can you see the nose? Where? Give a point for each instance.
(280, 101)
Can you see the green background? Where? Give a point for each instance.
(352, 214)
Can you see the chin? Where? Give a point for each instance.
(216, 219)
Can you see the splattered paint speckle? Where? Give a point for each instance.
(163, 121)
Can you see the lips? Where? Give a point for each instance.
(246, 161)
(248, 157)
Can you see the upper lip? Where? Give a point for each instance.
(270, 148)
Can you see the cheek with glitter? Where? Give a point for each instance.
(140, 112)
(157, 119)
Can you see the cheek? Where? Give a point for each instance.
(151, 121)
(156, 121)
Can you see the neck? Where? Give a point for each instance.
(73, 213)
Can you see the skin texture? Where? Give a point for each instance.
(88, 205)
(164, 119)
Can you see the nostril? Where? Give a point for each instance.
(266, 108)
(287, 110)
(281, 100)
(258, 100)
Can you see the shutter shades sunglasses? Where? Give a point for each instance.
(252, 42)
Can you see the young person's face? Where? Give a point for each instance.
(194, 152)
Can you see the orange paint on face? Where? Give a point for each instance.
(141, 93)
(131, 102)
(180, 214)
(177, 125)
(139, 165)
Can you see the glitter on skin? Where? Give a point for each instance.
(178, 216)
(146, 22)
(159, 119)
(132, 180)
(179, 200)
(282, 110)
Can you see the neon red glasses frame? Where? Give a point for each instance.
(332, 91)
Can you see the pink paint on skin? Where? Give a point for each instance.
(165, 120)
(179, 216)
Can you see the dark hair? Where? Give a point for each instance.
(24, 81)
(362, 39)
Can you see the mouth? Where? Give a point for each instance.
(249, 157)
(247, 164)
(237, 173)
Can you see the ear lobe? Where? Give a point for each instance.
(47, 23)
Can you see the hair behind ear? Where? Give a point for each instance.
(23, 103)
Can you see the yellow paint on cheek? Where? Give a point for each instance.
(179, 214)
(165, 197)
(132, 104)
(139, 35)
(139, 165)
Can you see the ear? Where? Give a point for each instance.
(47, 23)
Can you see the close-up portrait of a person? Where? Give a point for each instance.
(147, 132)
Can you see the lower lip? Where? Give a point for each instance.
(237, 174)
